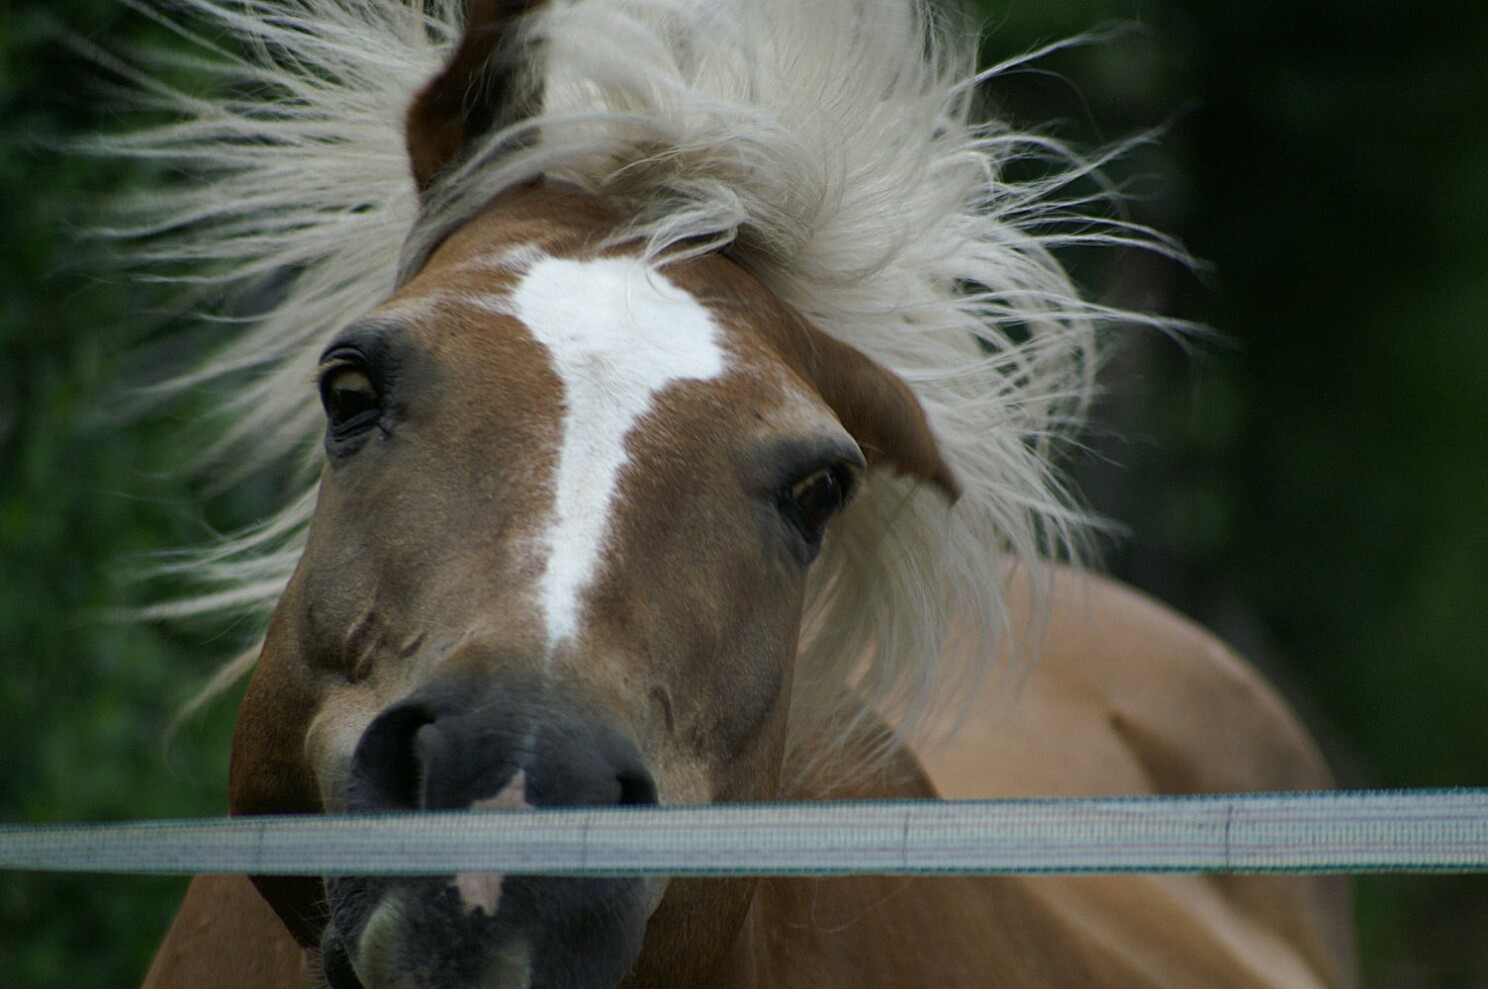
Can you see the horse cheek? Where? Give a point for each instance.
(746, 736)
(268, 774)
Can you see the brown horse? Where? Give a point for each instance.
(613, 512)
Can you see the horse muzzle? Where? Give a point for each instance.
(449, 746)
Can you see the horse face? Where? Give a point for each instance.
(558, 559)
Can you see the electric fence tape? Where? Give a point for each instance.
(1396, 831)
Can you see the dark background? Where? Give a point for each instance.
(1312, 484)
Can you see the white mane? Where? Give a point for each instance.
(827, 146)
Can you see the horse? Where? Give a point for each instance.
(683, 404)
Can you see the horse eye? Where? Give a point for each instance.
(816, 499)
(350, 398)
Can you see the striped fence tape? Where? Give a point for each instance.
(1392, 831)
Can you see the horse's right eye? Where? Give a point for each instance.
(352, 402)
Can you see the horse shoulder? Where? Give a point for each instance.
(887, 932)
(226, 936)
(1124, 697)
(1128, 698)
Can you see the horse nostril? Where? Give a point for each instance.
(637, 789)
(388, 766)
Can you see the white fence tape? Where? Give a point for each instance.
(1398, 831)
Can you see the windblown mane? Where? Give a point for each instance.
(828, 147)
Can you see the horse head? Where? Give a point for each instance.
(572, 492)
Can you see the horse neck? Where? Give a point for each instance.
(788, 912)
(750, 932)
(873, 764)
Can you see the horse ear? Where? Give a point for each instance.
(874, 405)
(488, 84)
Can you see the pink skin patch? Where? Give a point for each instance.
(482, 890)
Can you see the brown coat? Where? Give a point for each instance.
(1125, 698)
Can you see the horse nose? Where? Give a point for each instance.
(452, 749)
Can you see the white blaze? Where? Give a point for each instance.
(482, 890)
(618, 333)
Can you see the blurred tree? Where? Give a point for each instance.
(84, 492)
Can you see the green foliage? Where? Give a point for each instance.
(1312, 484)
(85, 493)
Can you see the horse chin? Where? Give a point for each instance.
(512, 932)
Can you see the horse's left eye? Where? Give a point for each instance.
(816, 499)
